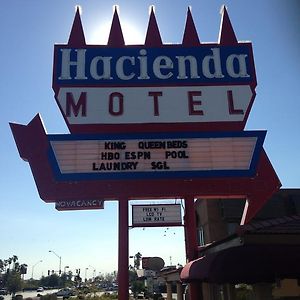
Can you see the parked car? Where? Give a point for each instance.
(40, 289)
(65, 293)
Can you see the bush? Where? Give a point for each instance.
(244, 292)
(49, 297)
(105, 296)
(109, 297)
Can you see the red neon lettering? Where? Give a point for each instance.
(71, 106)
(232, 110)
(120, 99)
(193, 103)
(155, 96)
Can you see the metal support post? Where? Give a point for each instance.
(123, 275)
(190, 227)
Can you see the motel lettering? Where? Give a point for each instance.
(210, 63)
(196, 103)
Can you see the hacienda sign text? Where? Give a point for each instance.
(139, 66)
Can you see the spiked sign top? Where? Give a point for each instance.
(154, 87)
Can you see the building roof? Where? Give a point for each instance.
(287, 225)
(261, 251)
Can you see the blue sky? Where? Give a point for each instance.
(29, 29)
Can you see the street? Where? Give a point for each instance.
(31, 294)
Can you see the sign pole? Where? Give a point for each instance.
(190, 227)
(123, 276)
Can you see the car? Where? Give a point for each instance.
(65, 293)
(40, 289)
(3, 292)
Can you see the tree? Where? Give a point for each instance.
(15, 261)
(137, 285)
(9, 261)
(13, 282)
(11, 276)
(2, 267)
(66, 279)
(137, 260)
(110, 278)
(51, 281)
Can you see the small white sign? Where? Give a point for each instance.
(146, 273)
(156, 215)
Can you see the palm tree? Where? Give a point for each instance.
(137, 260)
(2, 266)
(5, 263)
(9, 261)
(14, 260)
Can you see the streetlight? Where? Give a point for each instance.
(85, 274)
(59, 260)
(34, 266)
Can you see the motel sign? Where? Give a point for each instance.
(151, 121)
(154, 114)
(136, 88)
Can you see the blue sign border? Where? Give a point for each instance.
(157, 174)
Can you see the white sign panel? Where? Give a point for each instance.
(155, 104)
(146, 273)
(156, 215)
(143, 157)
